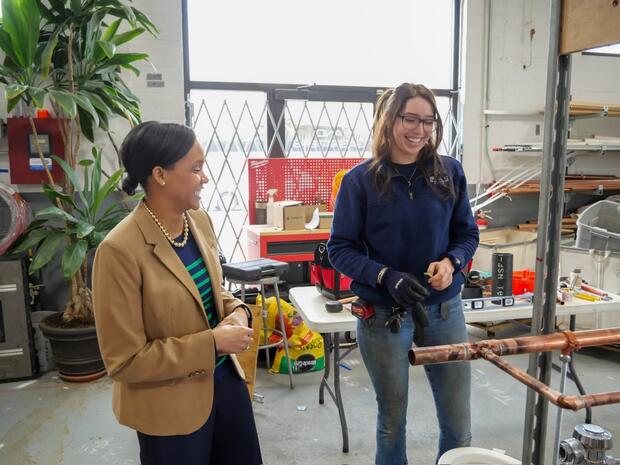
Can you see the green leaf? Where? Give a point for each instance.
(111, 30)
(76, 6)
(127, 36)
(6, 45)
(53, 194)
(7, 73)
(38, 96)
(14, 90)
(98, 237)
(84, 103)
(36, 224)
(57, 212)
(73, 258)
(46, 12)
(71, 174)
(97, 101)
(86, 184)
(84, 229)
(110, 222)
(12, 103)
(86, 125)
(129, 14)
(95, 182)
(103, 120)
(21, 20)
(132, 68)
(145, 22)
(65, 100)
(111, 210)
(58, 5)
(29, 240)
(93, 33)
(108, 48)
(46, 56)
(47, 250)
(108, 187)
(126, 58)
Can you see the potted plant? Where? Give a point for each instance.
(65, 53)
(76, 227)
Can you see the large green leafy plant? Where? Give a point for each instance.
(77, 224)
(64, 52)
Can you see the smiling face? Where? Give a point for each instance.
(186, 178)
(412, 130)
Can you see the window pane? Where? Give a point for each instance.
(328, 129)
(231, 126)
(326, 42)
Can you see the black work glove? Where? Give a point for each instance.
(404, 288)
(420, 321)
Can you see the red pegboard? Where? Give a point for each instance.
(308, 180)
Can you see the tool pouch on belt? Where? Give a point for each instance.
(363, 310)
(420, 321)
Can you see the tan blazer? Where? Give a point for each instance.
(153, 332)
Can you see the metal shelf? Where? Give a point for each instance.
(570, 148)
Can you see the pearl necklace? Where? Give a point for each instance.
(167, 234)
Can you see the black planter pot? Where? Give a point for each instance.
(75, 350)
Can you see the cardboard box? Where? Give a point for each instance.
(325, 220)
(311, 207)
(289, 214)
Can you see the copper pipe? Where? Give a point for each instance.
(557, 398)
(492, 349)
(566, 341)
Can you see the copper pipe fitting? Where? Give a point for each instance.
(492, 350)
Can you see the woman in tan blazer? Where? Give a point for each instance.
(167, 328)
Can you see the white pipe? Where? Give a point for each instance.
(506, 180)
(486, 34)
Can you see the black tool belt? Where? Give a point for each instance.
(420, 321)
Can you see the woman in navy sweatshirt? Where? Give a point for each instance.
(403, 230)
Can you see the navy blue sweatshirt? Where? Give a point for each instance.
(406, 234)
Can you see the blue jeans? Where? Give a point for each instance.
(385, 355)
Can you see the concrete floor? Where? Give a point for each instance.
(49, 422)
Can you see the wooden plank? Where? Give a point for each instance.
(588, 24)
(247, 359)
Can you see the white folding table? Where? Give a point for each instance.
(311, 306)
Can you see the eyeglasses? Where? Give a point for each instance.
(412, 122)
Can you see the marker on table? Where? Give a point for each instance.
(591, 298)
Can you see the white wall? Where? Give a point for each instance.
(162, 104)
(517, 81)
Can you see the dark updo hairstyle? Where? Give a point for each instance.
(152, 144)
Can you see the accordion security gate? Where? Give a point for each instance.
(236, 126)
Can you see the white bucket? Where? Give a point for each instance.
(476, 456)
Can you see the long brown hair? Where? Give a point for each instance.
(389, 105)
